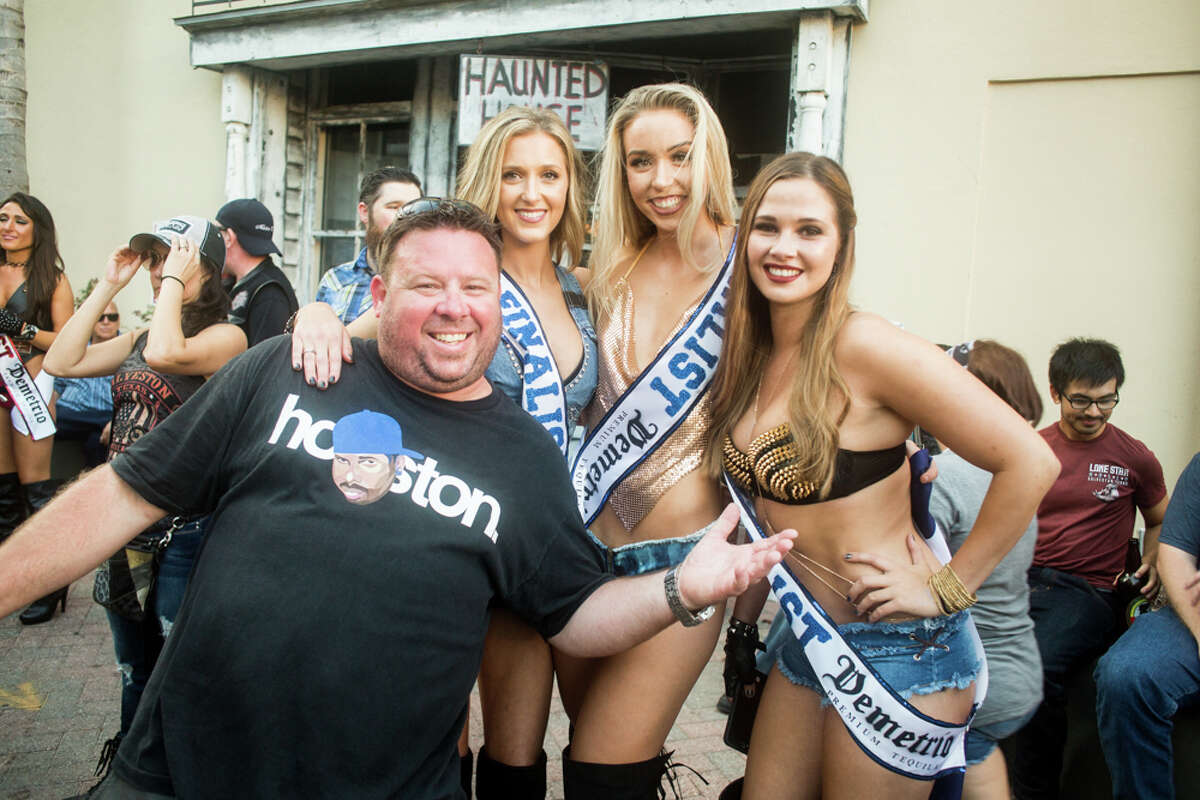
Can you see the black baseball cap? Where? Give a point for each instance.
(198, 229)
(252, 223)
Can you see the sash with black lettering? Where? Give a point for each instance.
(542, 394)
(655, 404)
(885, 725)
(23, 391)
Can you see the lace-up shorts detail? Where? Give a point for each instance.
(919, 656)
(649, 556)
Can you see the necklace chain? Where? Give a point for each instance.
(15, 263)
(802, 560)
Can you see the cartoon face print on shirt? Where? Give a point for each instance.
(368, 448)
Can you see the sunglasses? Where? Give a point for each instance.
(110, 317)
(422, 204)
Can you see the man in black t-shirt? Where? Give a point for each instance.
(326, 649)
(261, 298)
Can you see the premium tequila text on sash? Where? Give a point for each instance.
(850, 683)
(655, 404)
(888, 728)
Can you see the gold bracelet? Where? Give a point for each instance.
(949, 592)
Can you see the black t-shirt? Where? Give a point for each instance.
(262, 302)
(326, 648)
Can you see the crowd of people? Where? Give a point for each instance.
(539, 467)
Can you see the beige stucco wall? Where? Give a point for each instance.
(1030, 171)
(1025, 170)
(120, 129)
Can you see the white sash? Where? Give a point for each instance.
(655, 404)
(888, 729)
(542, 394)
(25, 395)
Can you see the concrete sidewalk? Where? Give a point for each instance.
(60, 699)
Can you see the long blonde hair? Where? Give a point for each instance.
(479, 179)
(619, 225)
(817, 387)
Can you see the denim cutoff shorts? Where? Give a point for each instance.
(919, 656)
(650, 556)
(982, 740)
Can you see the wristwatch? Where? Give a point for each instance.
(28, 331)
(686, 617)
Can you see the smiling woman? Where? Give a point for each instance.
(37, 301)
(812, 403)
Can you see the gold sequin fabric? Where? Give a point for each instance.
(633, 498)
(770, 466)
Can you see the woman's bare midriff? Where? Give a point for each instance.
(876, 520)
(685, 508)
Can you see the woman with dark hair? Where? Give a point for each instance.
(812, 403)
(156, 370)
(37, 302)
(1002, 613)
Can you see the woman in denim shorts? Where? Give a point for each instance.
(812, 403)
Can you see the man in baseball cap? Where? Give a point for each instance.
(262, 298)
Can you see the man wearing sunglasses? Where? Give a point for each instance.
(1084, 524)
(327, 648)
(83, 406)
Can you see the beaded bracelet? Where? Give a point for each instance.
(949, 592)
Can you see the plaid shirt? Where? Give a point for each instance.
(347, 288)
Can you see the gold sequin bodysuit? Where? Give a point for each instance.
(634, 497)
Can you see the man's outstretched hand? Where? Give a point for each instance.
(716, 569)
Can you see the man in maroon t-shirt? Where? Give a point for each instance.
(1084, 524)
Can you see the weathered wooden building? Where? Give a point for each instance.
(1024, 170)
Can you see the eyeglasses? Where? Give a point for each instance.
(422, 204)
(110, 317)
(1081, 402)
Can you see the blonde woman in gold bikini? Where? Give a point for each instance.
(664, 233)
(812, 402)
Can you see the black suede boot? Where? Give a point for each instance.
(13, 510)
(495, 780)
(38, 494)
(465, 764)
(637, 781)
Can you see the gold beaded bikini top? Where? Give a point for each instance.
(770, 468)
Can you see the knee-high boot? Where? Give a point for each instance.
(13, 510)
(38, 494)
(495, 780)
(637, 781)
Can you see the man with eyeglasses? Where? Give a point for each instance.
(1084, 524)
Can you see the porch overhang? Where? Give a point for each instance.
(312, 33)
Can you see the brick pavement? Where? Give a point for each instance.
(60, 699)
